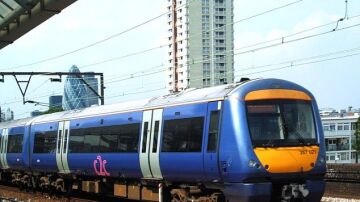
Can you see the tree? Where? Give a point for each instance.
(53, 110)
(356, 144)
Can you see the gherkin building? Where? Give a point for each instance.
(76, 94)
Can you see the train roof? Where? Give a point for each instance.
(15, 123)
(191, 95)
(187, 96)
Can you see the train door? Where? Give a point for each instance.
(3, 148)
(62, 144)
(150, 143)
(211, 161)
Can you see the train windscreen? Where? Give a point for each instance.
(275, 123)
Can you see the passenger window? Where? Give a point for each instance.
(108, 142)
(108, 139)
(213, 131)
(15, 143)
(128, 138)
(45, 142)
(76, 144)
(183, 135)
(91, 142)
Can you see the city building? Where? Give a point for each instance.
(55, 101)
(200, 43)
(76, 93)
(326, 112)
(36, 113)
(339, 135)
(6, 115)
(94, 83)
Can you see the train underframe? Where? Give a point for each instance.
(145, 189)
(159, 190)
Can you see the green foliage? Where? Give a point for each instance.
(53, 110)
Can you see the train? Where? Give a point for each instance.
(253, 140)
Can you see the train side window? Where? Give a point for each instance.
(108, 139)
(213, 131)
(91, 140)
(183, 135)
(76, 142)
(129, 138)
(45, 142)
(15, 143)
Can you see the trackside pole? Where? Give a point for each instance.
(161, 192)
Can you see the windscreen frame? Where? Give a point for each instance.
(277, 142)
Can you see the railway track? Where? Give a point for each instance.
(342, 176)
(10, 194)
(334, 190)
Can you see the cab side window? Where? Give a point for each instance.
(213, 131)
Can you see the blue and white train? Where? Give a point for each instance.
(256, 140)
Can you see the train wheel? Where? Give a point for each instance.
(218, 197)
(179, 195)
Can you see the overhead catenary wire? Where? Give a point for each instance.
(131, 77)
(290, 63)
(114, 96)
(252, 50)
(47, 95)
(132, 28)
(94, 43)
(300, 64)
(193, 35)
(135, 77)
(248, 46)
(110, 78)
(274, 69)
(124, 79)
(147, 50)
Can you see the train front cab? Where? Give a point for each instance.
(273, 149)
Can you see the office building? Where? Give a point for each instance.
(55, 101)
(76, 93)
(200, 43)
(339, 129)
(36, 113)
(94, 84)
(6, 115)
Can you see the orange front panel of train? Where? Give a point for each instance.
(288, 159)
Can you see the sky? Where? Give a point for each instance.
(323, 60)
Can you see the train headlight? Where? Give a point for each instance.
(253, 164)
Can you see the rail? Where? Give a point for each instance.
(342, 176)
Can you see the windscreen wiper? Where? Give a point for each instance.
(300, 138)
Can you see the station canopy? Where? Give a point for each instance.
(17, 17)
